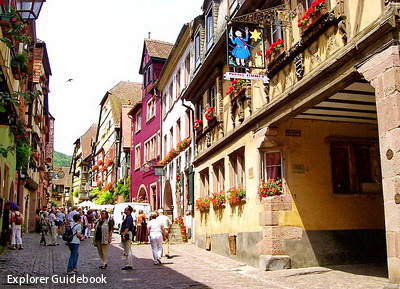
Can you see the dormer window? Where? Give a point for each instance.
(209, 28)
(197, 49)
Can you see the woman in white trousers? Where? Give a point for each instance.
(155, 231)
(16, 229)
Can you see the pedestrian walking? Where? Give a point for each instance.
(102, 237)
(156, 233)
(45, 228)
(61, 221)
(166, 222)
(70, 216)
(141, 228)
(134, 229)
(126, 237)
(74, 244)
(90, 223)
(84, 223)
(53, 221)
(16, 229)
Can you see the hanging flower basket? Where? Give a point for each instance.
(236, 195)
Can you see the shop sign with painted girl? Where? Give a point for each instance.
(245, 46)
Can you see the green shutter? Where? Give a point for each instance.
(191, 185)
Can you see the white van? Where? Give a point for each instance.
(119, 209)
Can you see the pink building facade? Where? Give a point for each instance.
(146, 126)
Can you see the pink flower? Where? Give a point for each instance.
(14, 19)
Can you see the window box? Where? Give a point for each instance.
(275, 55)
(16, 69)
(312, 20)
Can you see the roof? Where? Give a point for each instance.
(158, 48)
(125, 92)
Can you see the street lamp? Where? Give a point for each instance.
(29, 9)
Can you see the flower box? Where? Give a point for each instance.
(218, 200)
(236, 196)
(203, 204)
(312, 15)
(269, 188)
(210, 114)
(198, 125)
(238, 85)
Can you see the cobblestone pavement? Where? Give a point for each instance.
(191, 267)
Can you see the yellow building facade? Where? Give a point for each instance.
(321, 125)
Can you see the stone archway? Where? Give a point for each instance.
(168, 204)
(142, 194)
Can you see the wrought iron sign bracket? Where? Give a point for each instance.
(267, 17)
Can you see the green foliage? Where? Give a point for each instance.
(4, 151)
(61, 160)
(94, 193)
(123, 189)
(53, 204)
(106, 197)
(76, 193)
(23, 154)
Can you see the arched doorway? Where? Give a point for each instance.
(142, 195)
(168, 200)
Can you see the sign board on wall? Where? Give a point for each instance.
(245, 45)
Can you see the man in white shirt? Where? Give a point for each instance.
(71, 215)
(166, 222)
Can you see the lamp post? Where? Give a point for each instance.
(29, 9)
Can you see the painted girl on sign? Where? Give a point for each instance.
(241, 50)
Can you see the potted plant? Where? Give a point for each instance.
(203, 204)
(209, 115)
(182, 145)
(179, 221)
(198, 124)
(218, 199)
(236, 87)
(317, 9)
(274, 50)
(236, 195)
(110, 162)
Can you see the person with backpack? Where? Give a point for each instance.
(16, 229)
(73, 245)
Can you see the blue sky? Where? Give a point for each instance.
(97, 45)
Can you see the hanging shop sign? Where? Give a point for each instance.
(250, 76)
(245, 45)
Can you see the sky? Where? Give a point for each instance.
(97, 45)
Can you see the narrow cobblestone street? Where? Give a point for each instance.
(190, 267)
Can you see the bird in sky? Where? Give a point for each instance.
(69, 80)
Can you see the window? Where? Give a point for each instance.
(138, 161)
(355, 167)
(197, 49)
(178, 83)
(237, 169)
(212, 95)
(275, 31)
(151, 109)
(272, 165)
(178, 130)
(204, 183)
(187, 70)
(164, 104)
(209, 29)
(171, 138)
(187, 124)
(232, 6)
(138, 121)
(150, 149)
(308, 3)
(219, 176)
(170, 93)
(199, 110)
(165, 146)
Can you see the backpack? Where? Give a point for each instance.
(69, 234)
(19, 220)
